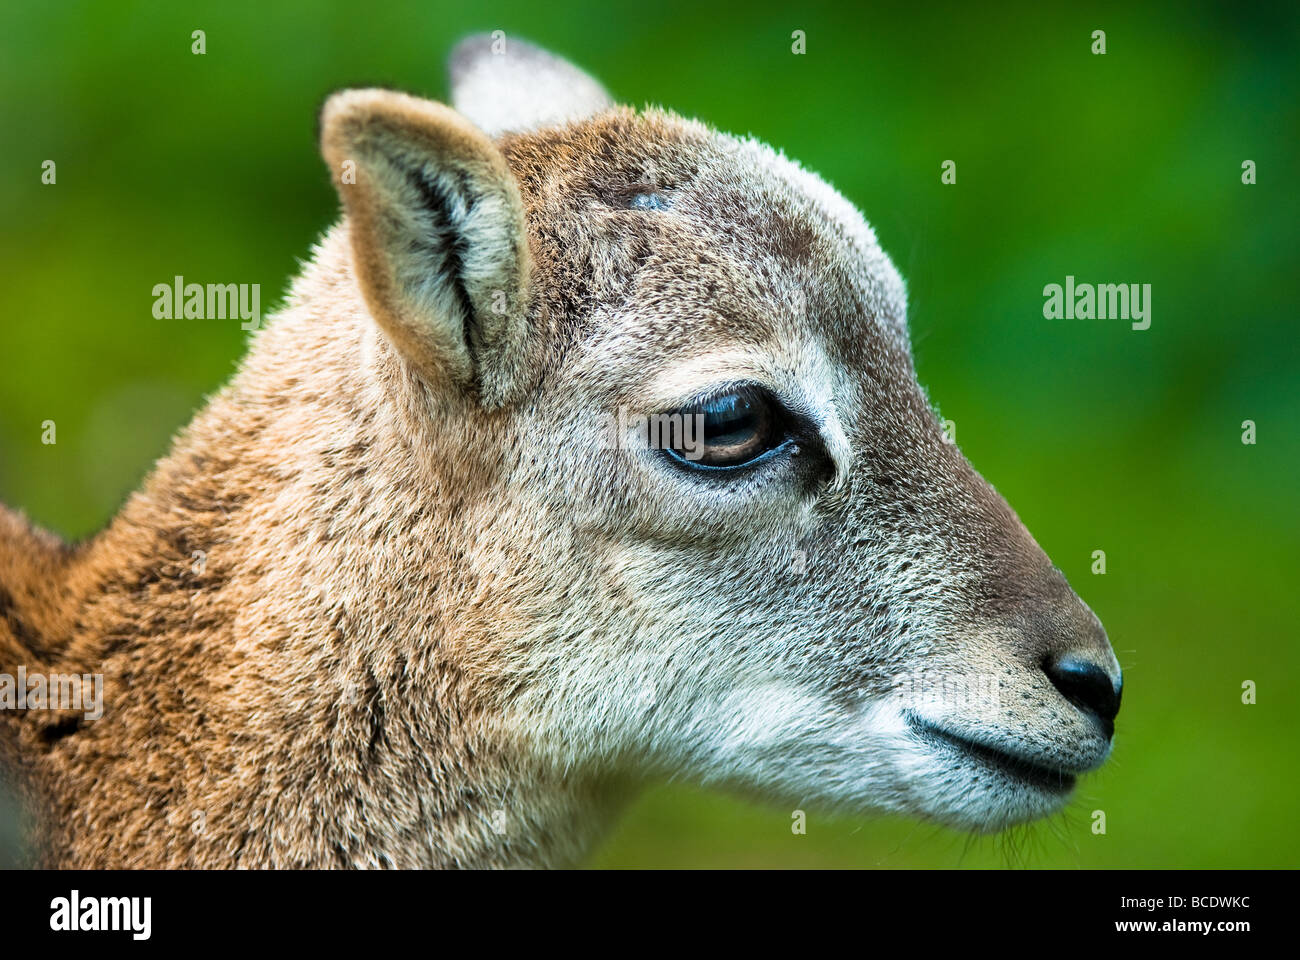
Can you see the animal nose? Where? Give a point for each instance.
(1088, 686)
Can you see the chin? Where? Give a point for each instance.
(985, 793)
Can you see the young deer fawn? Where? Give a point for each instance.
(418, 588)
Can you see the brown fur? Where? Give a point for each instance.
(267, 697)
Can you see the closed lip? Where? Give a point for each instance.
(1035, 773)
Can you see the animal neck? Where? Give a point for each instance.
(287, 642)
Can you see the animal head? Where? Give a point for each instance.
(707, 522)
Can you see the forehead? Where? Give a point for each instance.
(648, 229)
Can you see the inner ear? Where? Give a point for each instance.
(438, 236)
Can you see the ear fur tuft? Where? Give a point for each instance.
(507, 85)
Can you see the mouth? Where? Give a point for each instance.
(1032, 773)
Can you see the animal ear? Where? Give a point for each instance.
(506, 85)
(438, 238)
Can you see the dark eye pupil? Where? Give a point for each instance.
(729, 420)
(729, 430)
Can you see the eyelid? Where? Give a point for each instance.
(719, 390)
(674, 385)
(769, 454)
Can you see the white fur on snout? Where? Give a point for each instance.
(795, 746)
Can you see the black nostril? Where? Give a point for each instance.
(1088, 686)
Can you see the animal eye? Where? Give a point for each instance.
(730, 430)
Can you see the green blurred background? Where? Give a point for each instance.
(1117, 168)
